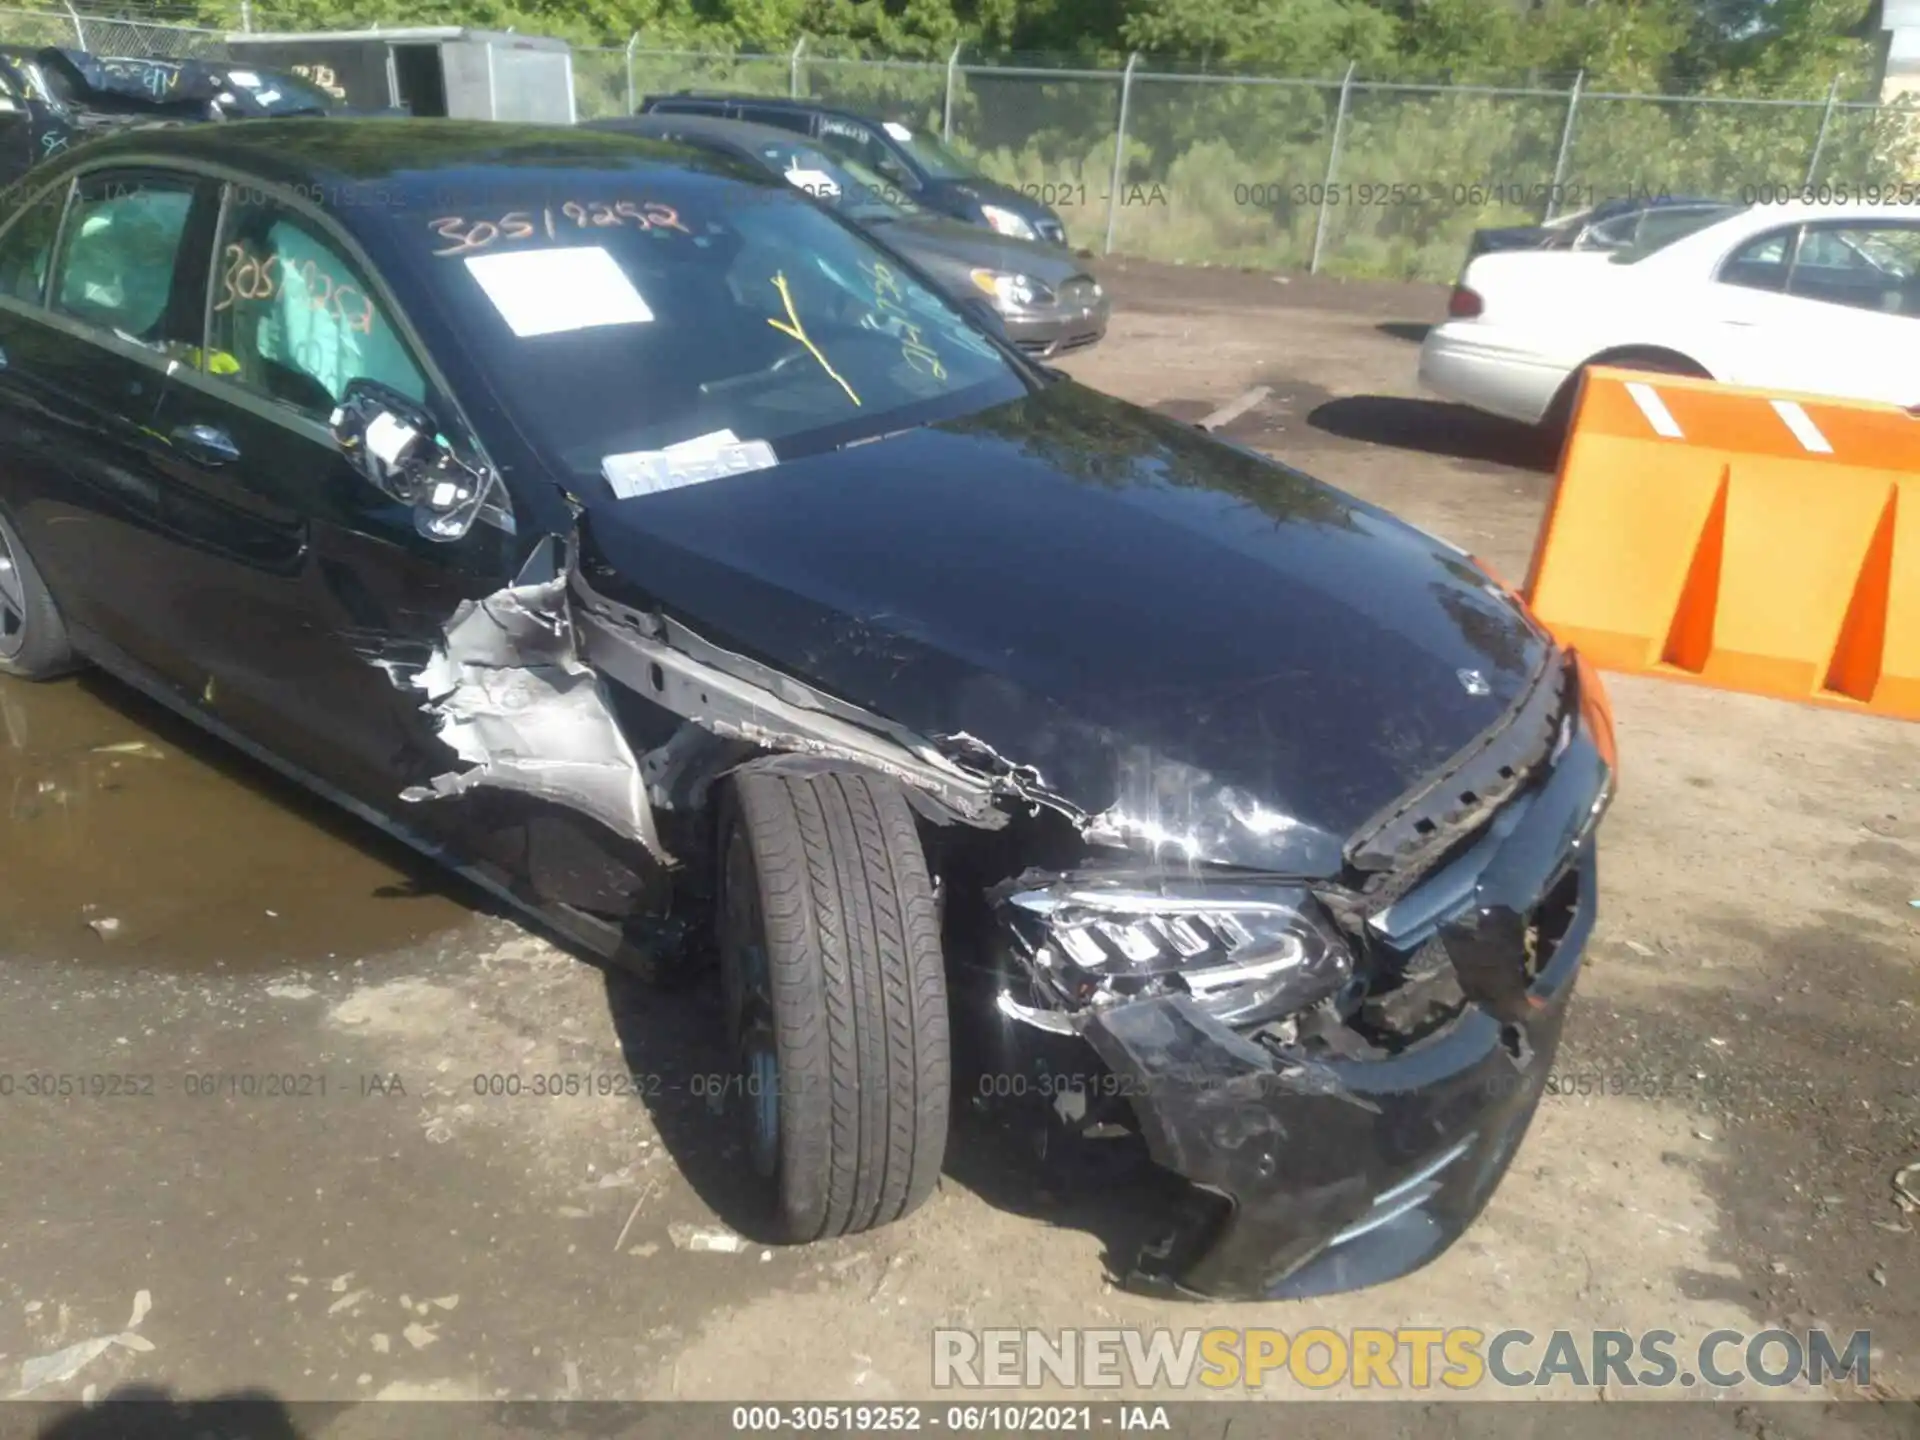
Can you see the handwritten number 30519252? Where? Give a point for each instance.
(472, 236)
(256, 277)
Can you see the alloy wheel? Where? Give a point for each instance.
(13, 602)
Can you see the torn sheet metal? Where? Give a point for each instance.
(516, 701)
(738, 699)
(1008, 777)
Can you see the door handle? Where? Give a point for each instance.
(206, 444)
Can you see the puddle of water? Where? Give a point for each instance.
(113, 811)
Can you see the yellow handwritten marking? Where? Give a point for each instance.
(916, 352)
(799, 332)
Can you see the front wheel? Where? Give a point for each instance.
(33, 638)
(836, 997)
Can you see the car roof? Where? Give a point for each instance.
(1835, 210)
(406, 155)
(740, 134)
(771, 102)
(1749, 221)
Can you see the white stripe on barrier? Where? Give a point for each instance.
(1802, 426)
(1655, 409)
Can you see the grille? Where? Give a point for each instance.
(1078, 291)
(1437, 820)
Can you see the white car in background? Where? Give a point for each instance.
(1818, 298)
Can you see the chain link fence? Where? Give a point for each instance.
(1349, 176)
(1346, 175)
(105, 35)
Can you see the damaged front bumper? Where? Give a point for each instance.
(1341, 1172)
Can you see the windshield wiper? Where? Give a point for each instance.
(883, 435)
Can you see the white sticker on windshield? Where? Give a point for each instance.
(546, 292)
(267, 97)
(691, 462)
(898, 132)
(814, 182)
(245, 78)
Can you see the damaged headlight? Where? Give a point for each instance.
(1246, 953)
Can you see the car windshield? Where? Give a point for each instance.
(18, 73)
(928, 152)
(1661, 230)
(282, 94)
(1566, 224)
(850, 187)
(622, 315)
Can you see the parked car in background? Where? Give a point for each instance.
(1046, 301)
(143, 88)
(1618, 224)
(624, 528)
(1820, 298)
(916, 162)
(52, 97)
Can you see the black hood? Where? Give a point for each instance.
(1161, 624)
(951, 248)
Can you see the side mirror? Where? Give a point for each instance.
(396, 445)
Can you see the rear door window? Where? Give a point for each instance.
(27, 248)
(119, 256)
(860, 143)
(1864, 265)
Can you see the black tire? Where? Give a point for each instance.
(840, 1017)
(1558, 420)
(33, 637)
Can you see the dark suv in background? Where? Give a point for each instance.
(1046, 302)
(927, 172)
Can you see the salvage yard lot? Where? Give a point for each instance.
(1739, 1082)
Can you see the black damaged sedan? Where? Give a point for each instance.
(624, 530)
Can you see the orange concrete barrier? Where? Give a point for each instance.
(1738, 538)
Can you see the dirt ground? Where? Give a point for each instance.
(402, 1232)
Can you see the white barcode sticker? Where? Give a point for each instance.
(691, 462)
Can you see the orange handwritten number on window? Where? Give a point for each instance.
(519, 224)
(229, 277)
(664, 216)
(447, 227)
(314, 278)
(361, 321)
